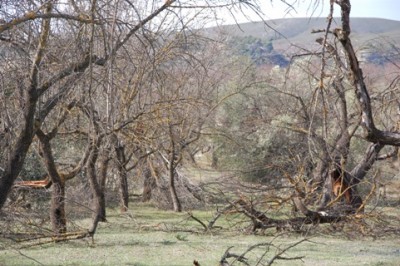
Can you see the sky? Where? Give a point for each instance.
(388, 9)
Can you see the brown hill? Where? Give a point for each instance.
(297, 28)
(373, 38)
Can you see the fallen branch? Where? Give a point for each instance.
(262, 221)
(28, 257)
(227, 254)
(46, 239)
(243, 260)
(218, 214)
(198, 220)
(211, 223)
(278, 256)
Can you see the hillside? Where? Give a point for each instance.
(300, 28)
(372, 37)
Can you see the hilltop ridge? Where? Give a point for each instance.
(298, 30)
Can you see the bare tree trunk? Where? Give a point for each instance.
(171, 164)
(103, 171)
(98, 202)
(174, 196)
(359, 172)
(18, 154)
(149, 184)
(372, 133)
(103, 177)
(57, 212)
(25, 137)
(123, 180)
(176, 203)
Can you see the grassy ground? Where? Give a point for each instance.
(147, 236)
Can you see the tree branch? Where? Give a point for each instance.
(356, 77)
(31, 15)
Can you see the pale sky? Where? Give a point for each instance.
(389, 9)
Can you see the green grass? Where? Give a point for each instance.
(147, 236)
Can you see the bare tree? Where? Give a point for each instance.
(35, 87)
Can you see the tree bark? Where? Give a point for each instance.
(25, 137)
(171, 163)
(18, 154)
(103, 178)
(57, 212)
(149, 183)
(123, 179)
(372, 133)
(174, 195)
(98, 202)
(176, 203)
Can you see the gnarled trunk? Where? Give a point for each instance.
(57, 211)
